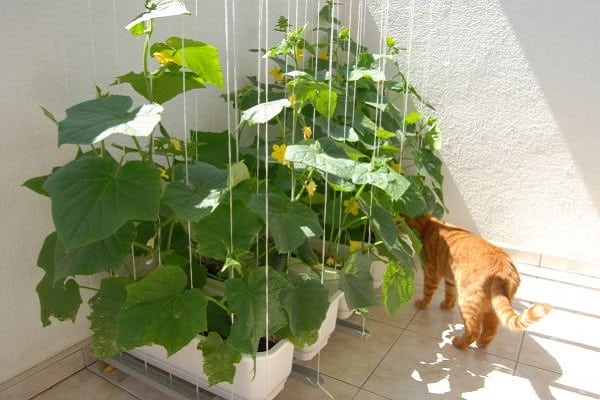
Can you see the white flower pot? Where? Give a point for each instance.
(187, 364)
(327, 327)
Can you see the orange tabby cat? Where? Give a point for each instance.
(480, 274)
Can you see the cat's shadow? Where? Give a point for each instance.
(451, 373)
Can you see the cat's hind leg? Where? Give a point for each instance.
(490, 326)
(429, 288)
(450, 298)
(470, 310)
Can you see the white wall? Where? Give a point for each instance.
(516, 88)
(55, 52)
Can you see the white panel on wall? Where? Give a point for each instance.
(515, 85)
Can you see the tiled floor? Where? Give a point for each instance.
(408, 356)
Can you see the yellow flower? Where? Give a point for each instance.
(351, 206)
(355, 245)
(279, 154)
(292, 100)
(330, 261)
(163, 57)
(396, 166)
(163, 173)
(311, 188)
(276, 73)
(324, 56)
(175, 143)
(307, 132)
(299, 54)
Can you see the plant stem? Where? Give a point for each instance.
(142, 246)
(209, 298)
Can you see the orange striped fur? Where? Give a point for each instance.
(477, 274)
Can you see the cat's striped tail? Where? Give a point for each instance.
(507, 314)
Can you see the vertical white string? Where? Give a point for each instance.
(266, 201)
(92, 40)
(235, 82)
(407, 83)
(229, 122)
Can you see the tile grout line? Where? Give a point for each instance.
(61, 380)
(519, 353)
(381, 360)
(113, 383)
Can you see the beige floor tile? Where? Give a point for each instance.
(560, 295)
(85, 385)
(418, 366)
(550, 385)
(296, 390)
(365, 395)
(45, 378)
(570, 326)
(576, 365)
(501, 386)
(401, 318)
(340, 356)
(559, 276)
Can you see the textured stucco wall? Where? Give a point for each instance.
(58, 51)
(516, 88)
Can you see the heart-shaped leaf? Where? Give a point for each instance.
(106, 305)
(219, 359)
(290, 222)
(93, 197)
(159, 309)
(159, 9)
(226, 233)
(306, 304)
(102, 255)
(60, 300)
(264, 112)
(397, 288)
(356, 282)
(201, 58)
(95, 120)
(165, 84)
(247, 302)
(208, 184)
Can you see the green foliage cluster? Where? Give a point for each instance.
(159, 218)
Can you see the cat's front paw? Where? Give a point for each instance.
(421, 304)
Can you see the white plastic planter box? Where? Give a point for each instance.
(271, 371)
(327, 327)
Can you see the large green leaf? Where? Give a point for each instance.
(412, 202)
(211, 147)
(356, 282)
(223, 233)
(159, 309)
(95, 120)
(397, 288)
(102, 255)
(382, 223)
(264, 112)
(201, 58)
(165, 84)
(306, 304)
(159, 9)
(60, 300)
(376, 75)
(321, 157)
(93, 197)
(106, 305)
(219, 359)
(247, 302)
(208, 184)
(290, 222)
(429, 166)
